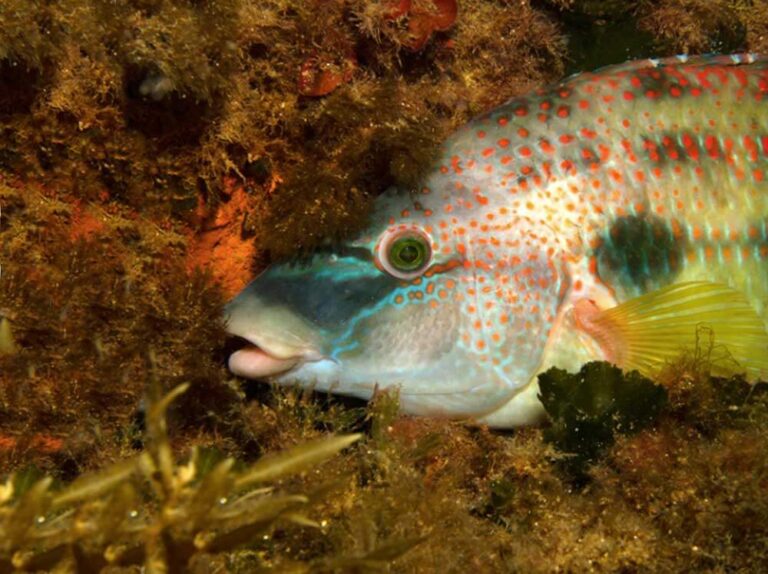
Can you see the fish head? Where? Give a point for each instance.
(437, 297)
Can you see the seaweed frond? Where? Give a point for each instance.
(154, 510)
(589, 408)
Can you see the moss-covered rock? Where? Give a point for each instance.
(145, 138)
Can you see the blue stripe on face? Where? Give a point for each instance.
(329, 292)
(348, 341)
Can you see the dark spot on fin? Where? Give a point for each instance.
(639, 254)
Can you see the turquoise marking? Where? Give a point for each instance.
(340, 342)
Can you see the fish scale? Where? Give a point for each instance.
(608, 217)
(681, 141)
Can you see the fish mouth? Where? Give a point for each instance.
(254, 358)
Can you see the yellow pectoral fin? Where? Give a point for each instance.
(654, 329)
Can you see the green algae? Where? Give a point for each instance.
(589, 408)
(154, 511)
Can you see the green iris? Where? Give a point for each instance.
(408, 253)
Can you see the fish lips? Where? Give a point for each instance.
(271, 338)
(257, 359)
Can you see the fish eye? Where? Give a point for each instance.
(405, 255)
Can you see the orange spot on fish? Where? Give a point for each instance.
(546, 147)
(593, 265)
(697, 233)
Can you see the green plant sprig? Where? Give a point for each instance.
(151, 509)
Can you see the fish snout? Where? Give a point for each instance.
(276, 339)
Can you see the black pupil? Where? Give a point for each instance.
(409, 254)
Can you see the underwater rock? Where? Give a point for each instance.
(696, 26)
(423, 22)
(95, 270)
(594, 8)
(221, 245)
(318, 77)
(332, 60)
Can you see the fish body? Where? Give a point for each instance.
(556, 229)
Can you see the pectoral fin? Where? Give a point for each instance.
(649, 331)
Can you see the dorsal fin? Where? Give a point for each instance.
(699, 60)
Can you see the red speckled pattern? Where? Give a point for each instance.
(525, 195)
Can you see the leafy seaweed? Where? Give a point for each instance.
(589, 408)
(152, 510)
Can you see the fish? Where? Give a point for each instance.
(619, 215)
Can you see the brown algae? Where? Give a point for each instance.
(155, 153)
